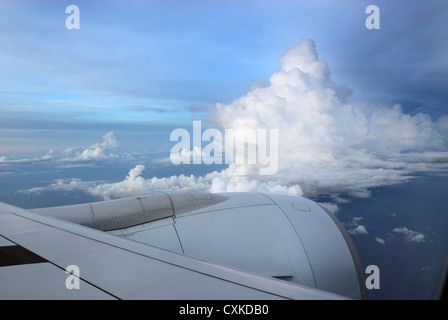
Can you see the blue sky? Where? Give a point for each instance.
(137, 70)
(88, 112)
(149, 61)
(142, 68)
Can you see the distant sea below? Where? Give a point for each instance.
(407, 236)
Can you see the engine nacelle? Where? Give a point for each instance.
(281, 236)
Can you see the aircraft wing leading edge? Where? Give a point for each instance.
(35, 251)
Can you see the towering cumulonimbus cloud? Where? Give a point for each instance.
(326, 145)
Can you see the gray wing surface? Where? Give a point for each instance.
(35, 251)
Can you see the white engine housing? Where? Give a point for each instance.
(282, 236)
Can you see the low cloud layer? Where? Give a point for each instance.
(355, 227)
(403, 234)
(134, 184)
(410, 236)
(48, 156)
(97, 151)
(63, 185)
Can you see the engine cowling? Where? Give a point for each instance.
(287, 237)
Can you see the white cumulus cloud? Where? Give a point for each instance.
(355, 227)
(327, 145)
(358, 230)
(96, 151)
(134, 184)
(410, 236)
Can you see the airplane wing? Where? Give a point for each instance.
(35, 251)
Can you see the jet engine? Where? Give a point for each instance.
(281, 236)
